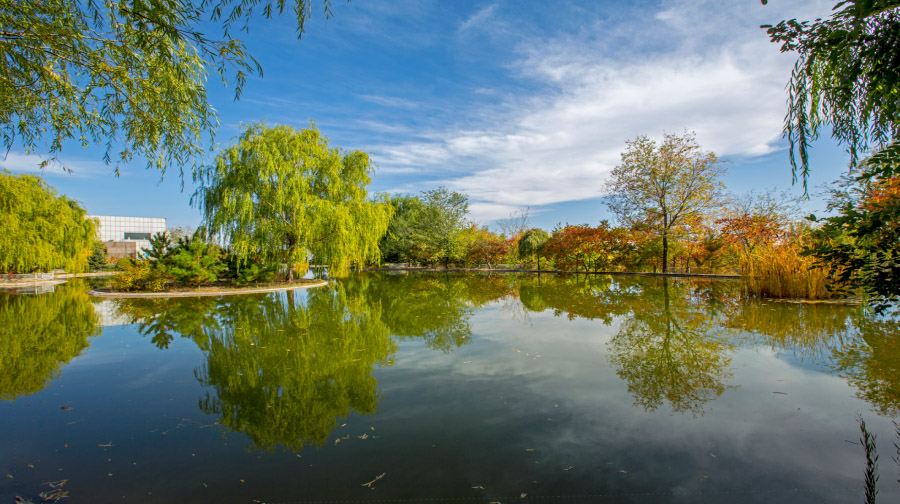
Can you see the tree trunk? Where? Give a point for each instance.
(665, 257)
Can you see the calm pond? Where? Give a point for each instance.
(446, 387)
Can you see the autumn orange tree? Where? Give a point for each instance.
(593, 249)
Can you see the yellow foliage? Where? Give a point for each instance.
(777, 270)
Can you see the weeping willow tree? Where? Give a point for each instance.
(286, 196)
(40, 230)
(39, 334)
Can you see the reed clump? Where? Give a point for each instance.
(779, 270)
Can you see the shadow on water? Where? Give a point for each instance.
(41, 333)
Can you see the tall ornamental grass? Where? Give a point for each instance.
(778, 270)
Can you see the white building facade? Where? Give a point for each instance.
(129, 229)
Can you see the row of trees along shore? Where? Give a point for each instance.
(280, 198)
(69, 79)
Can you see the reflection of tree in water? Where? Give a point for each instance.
(435, 307)
(286, 372)
(670, 349)
(161, 318)
(871, 362)
(40, 333)
(807, 330)
(594, 297)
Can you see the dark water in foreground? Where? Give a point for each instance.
(452, 388)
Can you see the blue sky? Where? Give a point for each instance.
(516, 103)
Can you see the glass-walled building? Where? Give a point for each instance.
(126, 236)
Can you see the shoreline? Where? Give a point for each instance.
(229, 292)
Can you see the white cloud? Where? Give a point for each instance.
(481, 16)
(31, 163)
(716, 74)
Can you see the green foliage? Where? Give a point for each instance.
(860, 246)
(402, 235)
(286, 372)
(140, 275)
(40, 230)
(193, 262)
(428, 229)
(286, 197)
(531, 245)
(661, 187)
(129, 75)
(847, 76)
(160, 246)
(98, 261)
(38, 334)
(249, 271)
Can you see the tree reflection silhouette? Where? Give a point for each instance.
(286, 372)
(871, 362)
(40, 333)
(670, 349)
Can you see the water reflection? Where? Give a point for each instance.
(670, 348)
(871, 363)
(39, 334)
(433, 307)
(284, 369)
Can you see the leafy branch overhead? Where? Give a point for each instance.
(847, 76)
(129, 75)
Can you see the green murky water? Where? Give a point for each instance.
(449, 387)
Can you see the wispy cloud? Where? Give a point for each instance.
(393, 101)
(721, 78)
(31, 163)
(479, 17)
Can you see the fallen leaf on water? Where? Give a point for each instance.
(568, 468)
(523, 495)
(478, 487)
(623, 471)
(346, 437)
(20, 500)
(105, 445)
(373, 428)
(10, 476)
(343, 425)
(467, 362)
(53, 495)
(56, 484)
(65, 407)
(712, 455)
(782, 393)
(30, 466)
(369, 484)
(364, 436)
(75, 422)
(336, 441)
(529, 449)
(517, 350)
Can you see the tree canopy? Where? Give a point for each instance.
(285, 196)
(40, 230)
(126, 74)
(428, 228)
(847, 76)
(663, 186)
